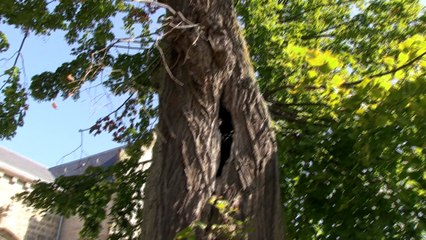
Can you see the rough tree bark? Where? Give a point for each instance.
(214, 134)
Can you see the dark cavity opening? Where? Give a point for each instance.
(226, 130)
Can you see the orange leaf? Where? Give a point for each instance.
(54, 105)
(70, 77)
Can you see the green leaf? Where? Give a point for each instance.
(315, 59)
(4, 44)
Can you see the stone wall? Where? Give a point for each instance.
(71, 228)
(19, 220)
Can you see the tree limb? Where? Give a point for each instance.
(400, 67)
(350, 84)
(168, 8)
(309, 37)
(18, 54)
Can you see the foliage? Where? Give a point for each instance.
(345, 82)
(90, 31)
(228, 227)
(88, 195)
(346, 85)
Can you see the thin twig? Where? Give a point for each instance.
(177, 26)
(173, 26)
(193, 44)
(130, 47)
(167, 7)
(92, 59)
(308, 37)
(21, 46)
(73, 151)
(116, 110)
(299, 104)
(163, 5)
(185, 19)
(93, 63)
(18, 55)
(163, 58)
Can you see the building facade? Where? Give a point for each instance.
(18, 222)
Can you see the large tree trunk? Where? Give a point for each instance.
(214, 137)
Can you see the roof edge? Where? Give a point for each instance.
(26, 176)
(23, 156)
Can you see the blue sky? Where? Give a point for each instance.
(48, 133)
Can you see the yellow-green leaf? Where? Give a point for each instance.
(315, 58)
(390, 61)
(312, 74)
(336, 81)
(402, 57)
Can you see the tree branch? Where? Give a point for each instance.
(299, 104)
(293, 118)
(162, 5)
(350, 84)
(18, 54)
(268, 94)
(20, 47)
(309, 37)
(109, 114)
(166, 66)
(73, 151)
(168, 8)
(400, 67)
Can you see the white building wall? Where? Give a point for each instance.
(23, 222)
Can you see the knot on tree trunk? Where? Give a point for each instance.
(207, 49)
(221, 46)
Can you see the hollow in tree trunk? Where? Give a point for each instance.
(214, 135)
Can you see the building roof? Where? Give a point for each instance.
(18, 165)
(77, 167)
